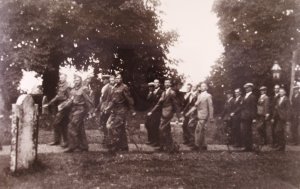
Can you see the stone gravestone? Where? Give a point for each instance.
(24, 133)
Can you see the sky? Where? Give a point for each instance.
(198, 45)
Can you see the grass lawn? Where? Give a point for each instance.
(190, 170)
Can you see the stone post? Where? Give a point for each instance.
(24, 133)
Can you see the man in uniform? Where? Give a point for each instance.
(281, 117)
(105, 98)
(204, 107)
(168, 104)
(263, 114)
(79, 102)
(236, 118)
(226, 116)
(61, 118)
(295, 115)
(121, 101)
(248, 114)
(185, 130)
(112, 80)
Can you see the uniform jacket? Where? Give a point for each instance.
(106, 95)
(228, 109)
(190, 102)
(63, 93)
(168, 103)
(248, 108)
(282, 109)
(120, 98)
(204, 106)
(263, 105)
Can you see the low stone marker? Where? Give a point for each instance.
(24, 133)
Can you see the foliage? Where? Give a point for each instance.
(119, 35)
(254, 35)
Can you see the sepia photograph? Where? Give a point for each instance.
(149, 94)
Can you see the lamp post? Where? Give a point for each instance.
(276, 70)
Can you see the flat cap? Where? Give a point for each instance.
(105, 76)
(248, 85)
(229, 92)
(151, 84)
(296, 87)
(263, 88)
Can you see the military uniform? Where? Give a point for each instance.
(116, 124)
(61, 118)
(169, 105)
(105, 98)
(79, 108)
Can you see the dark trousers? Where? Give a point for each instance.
(261, 131)
(152, 125)
(116, 125)
(60, 126)
(229, 131)
(295, 127)
(165, 135)
(76, 132)
(279, 132)
(186, 133)
(236, 131)
(246, 128)
(193, 121)
(103, 121)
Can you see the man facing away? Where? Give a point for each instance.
(204, 108)
(121, 102)
(281, 117)
(168, 104)
(61, 118)
(248, 114)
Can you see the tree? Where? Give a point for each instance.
(254, 35)
(119, 35)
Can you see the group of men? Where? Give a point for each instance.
(195, 108)
(74, 104)
(242, 115)
(250, 122)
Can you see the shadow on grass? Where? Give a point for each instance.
(37, 167)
